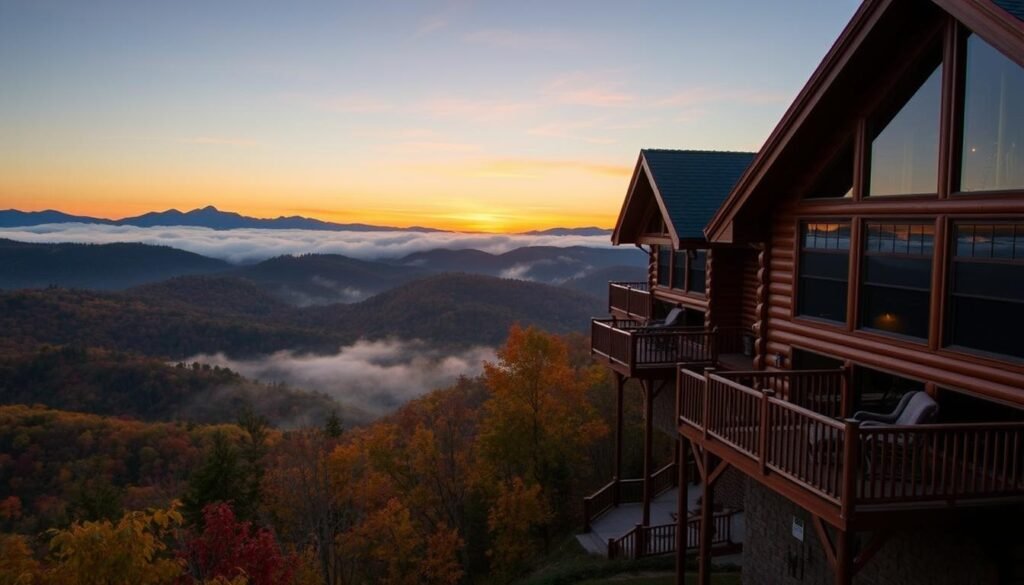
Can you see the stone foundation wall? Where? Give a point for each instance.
(731, 489)
(980, 548)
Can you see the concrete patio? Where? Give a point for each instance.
(618, 521)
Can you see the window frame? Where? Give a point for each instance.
(889, 108)
(944, 208)
(862, 257)
(957, 41)
(946, 341)
(798, 270)
(670, 288)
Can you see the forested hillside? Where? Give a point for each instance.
(461, 309)
(101, 267)
(189, 316)
(448, 489)
(127, 323)
(124, 385)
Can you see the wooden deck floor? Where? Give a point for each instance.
(618, 521)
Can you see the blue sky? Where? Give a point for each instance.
(484, 115)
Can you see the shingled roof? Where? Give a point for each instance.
(693, 183)
(1014, 7)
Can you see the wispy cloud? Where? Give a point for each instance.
(532, 168)
(430, 25)
(696, 96)
(478, 110)
(517, 168)
(252, 245)
(584, 131)
(587, 89)
(535, 40)
(342, 103)
(223, 141)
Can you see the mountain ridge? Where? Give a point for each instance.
(208, 217)
(213, 218)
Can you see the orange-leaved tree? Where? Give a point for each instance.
(536, 425)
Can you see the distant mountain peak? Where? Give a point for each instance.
(208, 217)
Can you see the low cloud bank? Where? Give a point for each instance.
(372, 376)
(253, 245)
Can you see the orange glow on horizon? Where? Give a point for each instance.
(478, 195)
(470, 221)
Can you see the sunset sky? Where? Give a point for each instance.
(488, 116)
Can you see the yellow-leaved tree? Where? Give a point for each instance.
(132, 551)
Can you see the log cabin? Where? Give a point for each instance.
(669, 319)
(879, 234)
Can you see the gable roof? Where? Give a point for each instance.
(999, 22)
(687, 185)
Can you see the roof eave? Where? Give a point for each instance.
(617, 231)
(661, 202)
(998, 27)
(719, 228)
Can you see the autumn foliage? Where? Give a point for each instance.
(227, 549)
(466, 484)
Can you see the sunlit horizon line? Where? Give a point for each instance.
(470, 222)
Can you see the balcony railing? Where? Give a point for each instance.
(646, 541)
(632, 299)
(626, 491)
(632, 347)
(767, 425)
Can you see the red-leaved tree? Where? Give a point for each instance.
(227, 548)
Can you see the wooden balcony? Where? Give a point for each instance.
(626, 491)
(634, 350)
(648, 541)
(783, 429)
(630, 300)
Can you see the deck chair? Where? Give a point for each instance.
(661, 344)
(915, 408)
(670, 320)
(887, 418)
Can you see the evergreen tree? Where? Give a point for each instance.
(221, 478)
(332, 426)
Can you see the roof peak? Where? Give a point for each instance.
(697, 151)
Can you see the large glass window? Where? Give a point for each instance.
(664, 264)
(897, 277)
(993, 147)
(836, 180)
(986, 308)
(697, 260)
(824, 270)
(679, 270)
(905, 151)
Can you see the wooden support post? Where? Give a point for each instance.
(682, 510)
(762, 438)
(640, 548)
(846, 391)
(844, 558)
(620, 381)
(851, 460)
(648, 449)
(707, 523)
